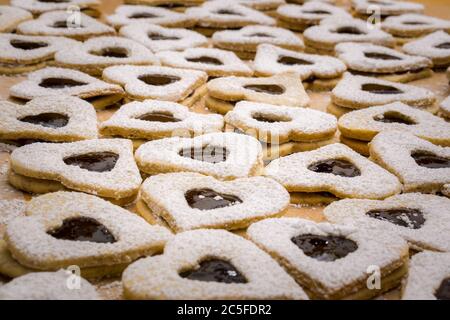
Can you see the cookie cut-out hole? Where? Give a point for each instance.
(82, 229)
(158, 36)
(54, 1)
(338, 167)
(27, 45)
(443, 292)
(64, 24)
(349, 30)
(60, 83)
(380, 56)
(208, 199)
(112, 52)
(394, 117)
(159, 117)
(142, 15)
(158, 79)
(266, 88)
(316, 12)
(445, 45)
(405, 217)
(228, 12)
(215, 270)
(260, 34)
(380, 89)
(211, 154)
(429, 160)
(414, 23)
(206, 60)
(94, 161)
(291, 61)
(270, 118)
(325, 248)
(380, 2)
(48, 120)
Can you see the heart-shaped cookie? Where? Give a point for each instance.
(261, 5)
(37, 7)
(10, 17)
(385, 8)
(209, 264)
(435, 46)
(413, 25)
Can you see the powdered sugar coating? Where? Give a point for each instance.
(354, 56)
(381, 249)
(165, 195)
(300, 124)
(178, 39)
(445, 107)
(44, 26)
(93, 87)
(310, 13)
(231, 64)
(40, 6)
(32, 246)
(426, 272)
(266, 63)
(123, 16)
(47, 286)
(386, 7)
(392, 150)
(126, 122)
(428, 47)
(422, 25)
(373, 183)
(158, 277)
(10, 17)
(361, 124)
(244, 155)
(263, 5)
(128, 76)
(9, 210)
(349, 93)
(46, 161)
(431, 235)
(82, 118)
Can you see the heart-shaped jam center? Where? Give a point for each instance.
(338, 167)
(405, 217)
(260, 35)
(94, 161)
(158, 79)
(393, 117)
(159, 117)
(228, 12)
(380, 89)
(211, 154)
(215, 270)
(445, 45)
(206, 60)
(291, 61)
(48, 120)
(316, 12)
(349, 30)
(208, 199)
(27, 45)
(415, 23)
(158, 36)
(443, 292)
(324, 248)
(380, 56)
(270, 118)
(429, 160)
(265, 88)
(82, 229)
(112, 52)
(60, 83)
(142, 15)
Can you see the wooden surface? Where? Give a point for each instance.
(438, 84)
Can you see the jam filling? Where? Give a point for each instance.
(260, 34)
(27, 45)
(112, 52)
(430, 160)
(94, 161)
(54, 1)
(158, 79)
(291, 61)
(324, 248)
(349, 30)
(393, 117)
(380, 89)
(158, 36)
(159, 117)
(208, 199)
(266, 88)
(215, 270)
(48, 120)
(414, 23)
(206, 60)
(405, 217)
(380, 56)
(142, 15)
(82, 229)
(60, 83)
(270, 118)
(63, 24)
(443, 292)
(228, 12)
(316, 12)
(338, 167)
(445, 45)
(211, 154)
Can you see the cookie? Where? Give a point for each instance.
(385, 63)
(300, 18)
(48, 286)
(281, 89)
(261, 5)
(244, 41)
(158, 38)
(215, 62)
(153, 119)
(409, 26)
(170, 4)
(333, 261)
(420, 165)
(62, 23)
(280, 124)
(225, 156)
(384, 8)
(359, 92)
(435, 46)
(20, 54)
(445, 108)
(316, 72)
(428, 277)
(155, 82)
(126, 15)
(52, 118)
(213, 16)
(94, 55)
(209, 264)
(323, 38)
(102, 167)
(11, 17)
(187, 201)
(363, 125)
(418, 218)
(37, 7)
(59, 81)
(332, 172)
(95, 235)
